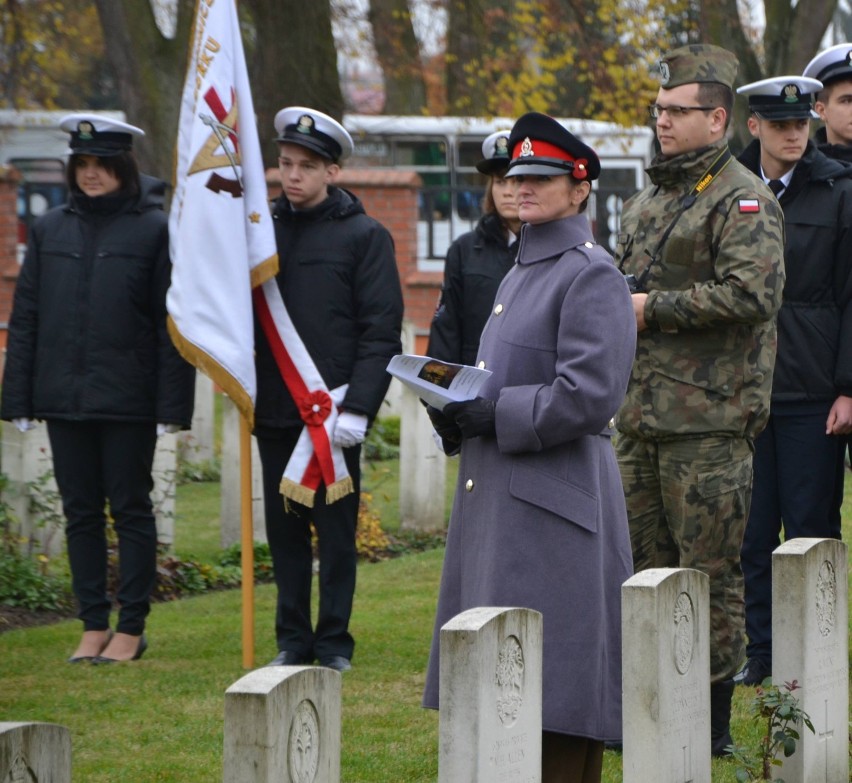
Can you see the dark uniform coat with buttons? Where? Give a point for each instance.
(539, 519)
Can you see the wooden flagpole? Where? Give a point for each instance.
(247, 545)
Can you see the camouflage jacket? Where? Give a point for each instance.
(704, 364)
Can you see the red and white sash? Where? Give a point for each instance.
(315, 460)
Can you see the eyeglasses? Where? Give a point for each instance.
(655, 110)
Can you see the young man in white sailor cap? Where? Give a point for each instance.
(798, 460)
(833, 67)
(339, 284)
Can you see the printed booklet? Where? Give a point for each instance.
(437, 382)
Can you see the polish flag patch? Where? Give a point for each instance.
(749, 205)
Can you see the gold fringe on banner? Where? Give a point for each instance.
(212, 369)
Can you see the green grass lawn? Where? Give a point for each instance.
(161, 719)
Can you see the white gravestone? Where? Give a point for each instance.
(422, 469)
(164, 473)
(810, 644)
(422, 465)
(490, 697)
(230, 485)
(197, 444)
(27, 463)
(282, 725)
(34, 753)
(666, 676)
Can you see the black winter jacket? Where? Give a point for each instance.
(842, 152)
(814, 360)
(339, 281)
(87, 337)
(476, 264)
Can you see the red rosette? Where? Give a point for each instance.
(315, 408)
(581, 168)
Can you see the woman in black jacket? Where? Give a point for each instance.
(477, 262)
(89, 353)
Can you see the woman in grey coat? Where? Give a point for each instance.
(539, 518)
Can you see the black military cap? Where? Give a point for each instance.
(94, 134)
(782, 97)
(831, 64)
(495, 153)
(315, 131)
(541, 146)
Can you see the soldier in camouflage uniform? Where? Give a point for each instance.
(703, 249)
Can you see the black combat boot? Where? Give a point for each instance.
(720, 717)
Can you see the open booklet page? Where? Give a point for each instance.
(437, 382)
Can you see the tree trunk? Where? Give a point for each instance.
(398, 52)
(793, 34)
(149, 72)
(478, 54)
(292, 62)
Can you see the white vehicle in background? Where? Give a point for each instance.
(444, 152)
(32, 142)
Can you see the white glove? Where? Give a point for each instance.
(162, 429)
(350, 430)
(24, 425)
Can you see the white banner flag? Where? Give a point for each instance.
(221, 235)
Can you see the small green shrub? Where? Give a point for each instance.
(383, 439)
(231, 558)
(779, 712)
(205, 470)
(177, 578)
(23, 584)
(24, 578)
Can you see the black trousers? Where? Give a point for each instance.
(96, 462)
(798, 473)
(569, 759)
(288, 530)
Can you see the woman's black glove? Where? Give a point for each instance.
(444, 426)
(475, 418)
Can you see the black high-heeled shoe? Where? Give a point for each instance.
(143, 645)
(84, 658)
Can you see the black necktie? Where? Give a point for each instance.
(776, 186)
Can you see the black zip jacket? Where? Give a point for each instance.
(842, 152)
(476, 264)
(87, 336)
(339, 281)
(814, 360)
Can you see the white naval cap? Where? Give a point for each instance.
(782, 97)
(495, 153)
(94, 134)
(315, 131)
(830, 64)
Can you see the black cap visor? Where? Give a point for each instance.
(316, 142)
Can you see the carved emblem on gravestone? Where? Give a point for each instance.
(304, 746)
(19, 772)
(826, 598)
(510, 681)
(684, 626)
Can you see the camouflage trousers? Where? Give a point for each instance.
(687, 506)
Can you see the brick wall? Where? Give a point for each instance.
(9, 267)
(391, 198)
